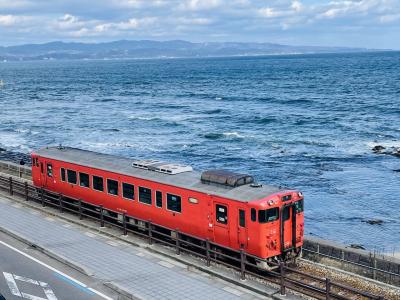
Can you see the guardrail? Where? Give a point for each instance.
(285, 276)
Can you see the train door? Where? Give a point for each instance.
(42, 173)
(288, 227)
(221, 224)
(241, 228)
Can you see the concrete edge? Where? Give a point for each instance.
(42, 249)
(206, 270)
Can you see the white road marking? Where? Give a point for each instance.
(47, 290)
(12, 284)
(10, 278)
(54, 270)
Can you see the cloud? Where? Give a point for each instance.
(198, 5)
(284, 21)
(389, 18)
(8, 20)
(12, 20)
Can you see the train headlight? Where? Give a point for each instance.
(300, 194)
(270, 202)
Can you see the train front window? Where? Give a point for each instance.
(112, 187)
(286, 213)
(268, 215)
(71, 176)
(299, 206)
(84, 180)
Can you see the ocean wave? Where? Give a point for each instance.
(223, 135)
(105, 100)
(213, 111)
(110, 130)
(264, 120)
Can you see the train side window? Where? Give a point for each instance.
(221, 214)
(286, 213)
(242, 218)
(98, 183)
(37, 162)
(253, 214)
(174, 203)
(145, 195)
(128, 191)
(299, 206)
(71, 176)
(62, 171)
(112, 187)
(83, 179)
(268, 215)
(159, 199)
(41, 168)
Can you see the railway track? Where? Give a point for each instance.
(297, 280)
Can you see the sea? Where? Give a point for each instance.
(306, 122)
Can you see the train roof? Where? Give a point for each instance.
(189, 180)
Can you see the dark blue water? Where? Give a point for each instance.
(307, 122)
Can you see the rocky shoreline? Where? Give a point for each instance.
(15, 157)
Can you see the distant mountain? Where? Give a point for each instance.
(125, 49)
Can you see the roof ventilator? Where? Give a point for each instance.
(226, 178)
(161, 166)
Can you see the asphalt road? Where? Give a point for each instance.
(26, 274)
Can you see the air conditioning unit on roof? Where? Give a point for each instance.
(161, 166)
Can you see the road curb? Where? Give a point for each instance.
(60, 258)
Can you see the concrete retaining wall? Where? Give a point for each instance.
(357, 261)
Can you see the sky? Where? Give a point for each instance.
(350, 23)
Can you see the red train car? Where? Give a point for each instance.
(229, 209)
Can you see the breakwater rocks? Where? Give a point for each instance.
(394, 151)
(15, 157)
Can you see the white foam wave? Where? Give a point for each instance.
(233, 134)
